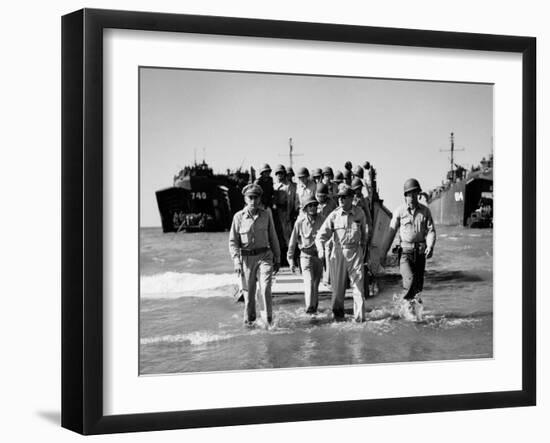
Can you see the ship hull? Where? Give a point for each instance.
(454, 205)
(196, 210)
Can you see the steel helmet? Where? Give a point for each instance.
(302, 172)
(327, 170)
(358, 171)
(411, 185)
(265, 168)
(310, 200)
(317, 172)
(280, 168)
(290, 171)
(338, 177)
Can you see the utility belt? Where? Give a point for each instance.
(414, 249)
(250, 252)
(312, 250)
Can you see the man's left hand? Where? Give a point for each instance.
(276, 267)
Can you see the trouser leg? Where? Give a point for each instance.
(265, 278)
(356, 272)
(419, 267)
(339, 279)
(317, 275)
(326, 258)
(312, 271)
(407, 268)
(307, 274)
(250, 269)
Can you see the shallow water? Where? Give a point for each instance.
(189, 320)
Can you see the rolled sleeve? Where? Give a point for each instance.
(234, 239)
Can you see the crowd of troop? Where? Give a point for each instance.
(322, 224)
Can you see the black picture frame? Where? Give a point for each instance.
(82, 218)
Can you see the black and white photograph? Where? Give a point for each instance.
(298, 221)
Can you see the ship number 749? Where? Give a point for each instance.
(198, 195)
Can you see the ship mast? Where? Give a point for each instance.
(452, 151)
(291, 153)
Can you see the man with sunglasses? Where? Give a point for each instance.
(255, 251)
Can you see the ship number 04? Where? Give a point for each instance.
(459, 197)
(198, 195)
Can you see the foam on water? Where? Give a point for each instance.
(193, 338)
(181, 284)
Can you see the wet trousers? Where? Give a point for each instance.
(412, 265)
(312, 271)
(344, 263)
(258, 269)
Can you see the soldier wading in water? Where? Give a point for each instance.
(416, 229)
(254, 248)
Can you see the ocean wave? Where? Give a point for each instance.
(193, 338)
(177, 284)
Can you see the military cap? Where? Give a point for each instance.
(302, 172)
(358, 171)
(338, 177)
(310, 200)
(280, 168)
(290, 171)
(347, 173)
(327, 170)
(252, 189)
(265, 167)
(317, 172)
(322, 188)
(344, 190)
(356, 183)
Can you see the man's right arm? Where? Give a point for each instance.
(323, 235)
(235, 243)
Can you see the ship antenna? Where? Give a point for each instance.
(291, 153)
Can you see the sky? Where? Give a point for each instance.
(233, 119)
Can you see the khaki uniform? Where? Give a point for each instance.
(417, 231)
(253, 244)
(324, 209)
(303, 236)
(350, 232)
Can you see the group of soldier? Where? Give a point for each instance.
(322, 223)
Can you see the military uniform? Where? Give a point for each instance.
(417, 232)
(254, 247)
(349, 232)
(303, 236)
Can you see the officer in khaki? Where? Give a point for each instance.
(416, 229)
(347, 226)
(254, 248)
(303, 234)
